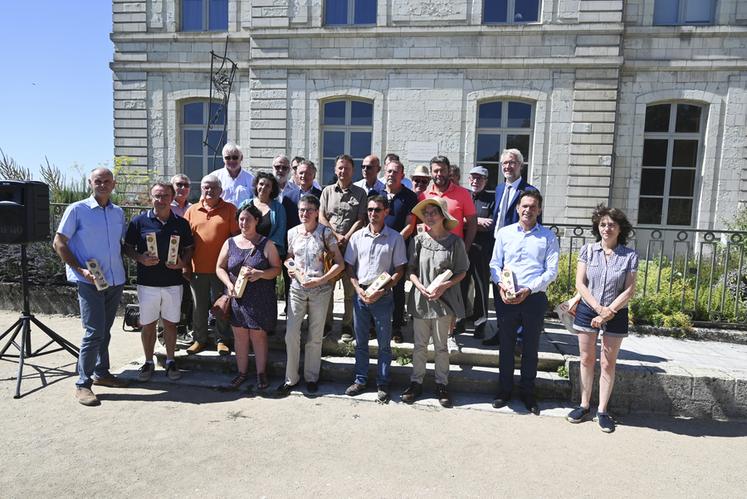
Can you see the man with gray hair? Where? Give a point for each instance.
(282, 169)
(182, 185)
(237, 183)
(212, 221)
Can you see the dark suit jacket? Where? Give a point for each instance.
(511, 216)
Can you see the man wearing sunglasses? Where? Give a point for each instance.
(370, 167)
(181, 184)
(373, 250)
(237, 183)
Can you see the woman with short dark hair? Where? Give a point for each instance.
(273, 222)
(605, 278)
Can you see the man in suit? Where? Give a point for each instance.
(507, 196)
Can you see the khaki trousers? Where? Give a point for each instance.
(423, 331)
(302, 302)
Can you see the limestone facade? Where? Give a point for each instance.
(589, 69)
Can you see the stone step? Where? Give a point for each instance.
(462, 378)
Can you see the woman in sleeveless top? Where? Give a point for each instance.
(255, 312)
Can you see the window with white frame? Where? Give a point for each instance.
(349, 12)
(347, 128)
(510, 11)
(198, 157)
(502, 124)
(204, 15)
(677, 12)
(672, 141)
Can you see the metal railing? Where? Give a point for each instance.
(702, 270)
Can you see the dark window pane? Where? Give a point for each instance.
(217, 114)
(365, 12)
(328, 171)
(218, 12)
(215, 161)
(682, 182)
(488, 147)
(685, 153)
(193, 167)
(192, 143)
(649, 211)
(679, 212)
(360, 144)
(657, 118)
(519, 115)
(193, 113)
(333, 144)
(698, 11)
(652, 182)
(191, 15)
(361, 113)
(334, 113)
(526, 11)
(489, 115)
(494, 11)
(520, 142)
(655, 152)
(688, 118)
(335, 12)
(665, 12)
(216, 141)
(494, 174)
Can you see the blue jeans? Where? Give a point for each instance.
(97, 312)
(381, 313)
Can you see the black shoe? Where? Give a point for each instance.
(312, 386)
(397, 336)
(606, 423)
(531, 404)
(579, 415)
(285, 389)
(492, 342)
(382, 394)
(412, 392)
(459, 327)
(480, 331)
(355, 389)
(501, 400)
(442, 394)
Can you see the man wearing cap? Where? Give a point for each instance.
(482, 247)
(421, 177)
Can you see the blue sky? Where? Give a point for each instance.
(55, 83)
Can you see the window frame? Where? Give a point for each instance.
(503, 133)
(510, 13)
(671, 135)
(205, 28)
(350, 16)
(347, 130)
(207, 155)
(681, 14)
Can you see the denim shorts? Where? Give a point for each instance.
(617, 326)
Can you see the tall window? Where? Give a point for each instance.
(347, 127)
(675, 12)
(204, 15)
(671, 154)
(502, 125)
(510, 11)
(198, 158)
(349, 12)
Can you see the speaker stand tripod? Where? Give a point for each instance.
(23, 327)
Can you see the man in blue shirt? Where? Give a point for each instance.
(530, 251)
(90, 235)
(159, 283)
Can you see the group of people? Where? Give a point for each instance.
(246, 230)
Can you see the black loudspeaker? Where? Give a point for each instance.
(24, 211)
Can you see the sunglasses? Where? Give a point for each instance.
(366, 167)
(421, 180)
(281, 167)
(375, 210)
(235, 158)
(182, 184)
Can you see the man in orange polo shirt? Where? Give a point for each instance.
(462, 208)
(212, 221)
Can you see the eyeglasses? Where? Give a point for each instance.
(306, 210)
(511, 162)
(375, 210)
(420, 180)
(182, 184)
(227, 158)
(281, 167)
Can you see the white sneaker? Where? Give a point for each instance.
(452, 345)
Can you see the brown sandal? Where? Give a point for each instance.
(238, 381)
(262, 383)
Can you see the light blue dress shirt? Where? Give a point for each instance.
(95, 232)
(532, 256)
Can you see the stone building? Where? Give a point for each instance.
(637, 103)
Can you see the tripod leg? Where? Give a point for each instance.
(14, 328)
(72, 349)
(25, 336)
